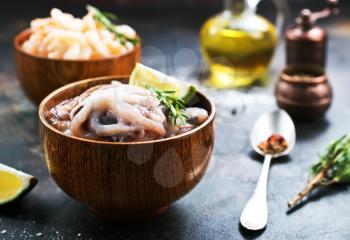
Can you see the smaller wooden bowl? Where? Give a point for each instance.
(304, 92)
(39, 76)
(127, 180)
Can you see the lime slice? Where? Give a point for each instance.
(14, 184)
(143, 76)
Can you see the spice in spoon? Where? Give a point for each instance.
(274, 144)
(333, 167)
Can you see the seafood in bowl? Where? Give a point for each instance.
(134, 174)
(62, 49)
(121, 112)
(62, 36)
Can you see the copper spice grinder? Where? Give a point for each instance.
(303, 89)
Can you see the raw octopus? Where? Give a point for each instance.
(119, 112)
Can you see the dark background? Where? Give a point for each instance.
(211, 211)
(172, 7)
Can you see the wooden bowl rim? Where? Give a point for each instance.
(64, 88)
(24, 35)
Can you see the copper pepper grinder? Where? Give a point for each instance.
(303, 89)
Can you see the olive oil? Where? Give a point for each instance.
(238, 48)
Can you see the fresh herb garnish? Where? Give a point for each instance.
(173, 104)
(106, 18)
(333, 167)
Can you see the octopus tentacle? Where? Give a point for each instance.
(197, 115)
(113, 129)
(79, 119)
(136, 114)
(147, 101)
(130, 114)
(156, 115)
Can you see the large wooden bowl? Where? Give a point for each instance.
(128, 180)
(39, 76)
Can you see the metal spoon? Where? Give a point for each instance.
(254, 215)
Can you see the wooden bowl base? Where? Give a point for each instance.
(123, 217)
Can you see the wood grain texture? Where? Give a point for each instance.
(304, 98)
(39, 76)
(125, 181)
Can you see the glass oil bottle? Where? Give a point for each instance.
(238, 45)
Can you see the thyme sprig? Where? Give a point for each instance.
(333, 167)
(106, 18)
(173, 104)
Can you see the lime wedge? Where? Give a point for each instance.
(143, 76)
(14, 184)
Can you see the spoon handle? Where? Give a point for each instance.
(254, 215)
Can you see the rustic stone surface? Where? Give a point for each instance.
(212, 210)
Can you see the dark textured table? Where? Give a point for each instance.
(212, 209)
